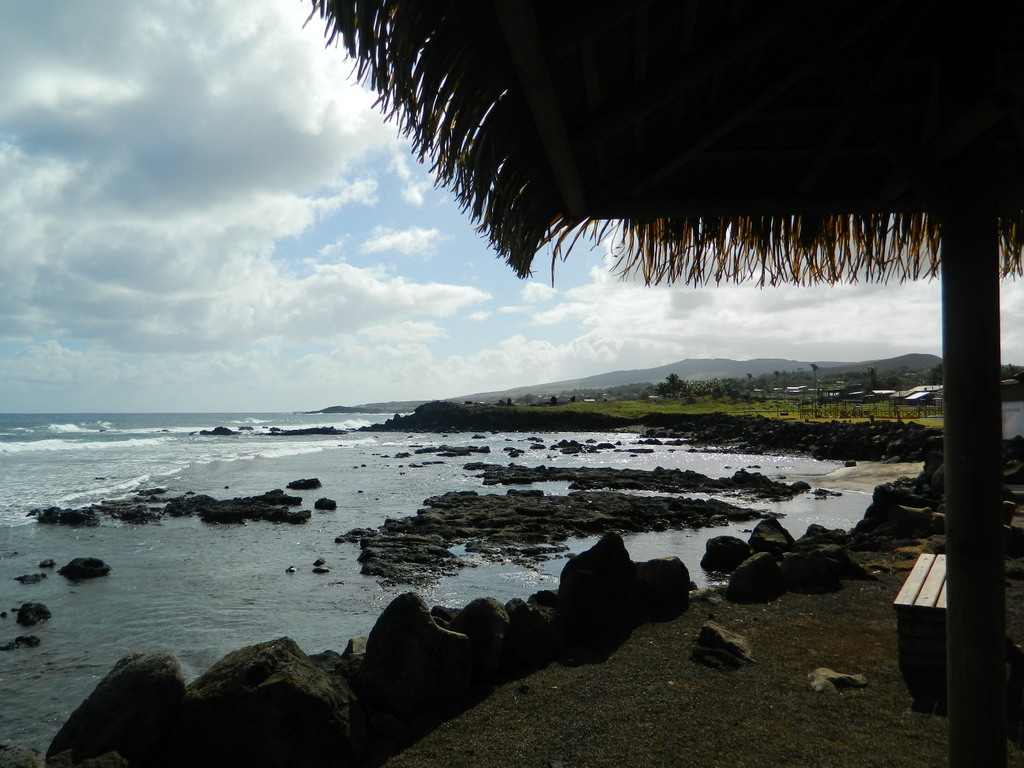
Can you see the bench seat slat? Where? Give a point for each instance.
(934, 584)
(915, 581)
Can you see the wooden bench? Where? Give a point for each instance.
(921, 626)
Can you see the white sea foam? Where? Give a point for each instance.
(109, 491)
(56, 444)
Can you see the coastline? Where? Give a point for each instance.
(862, 477)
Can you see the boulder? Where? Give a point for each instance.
(30, 578)
(724, 553)
(30, 614)
(276, 497)
(818, 535)
(128, 712)
(325, 504)
(485, 622)
(808, 572)
(600, 589)
(267, 705)
(717, 646)
(842, 565)
(758, 578)
(292, 516)
(352, 658)
(669, 582)
(84, 568)
(15, 756)
(21, 641)
(769, 536)
(412, 668)
(106, 760)
(58, 516)
(535, 637)
(825, 680)
(307, 484)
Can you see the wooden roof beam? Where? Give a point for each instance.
(711, 131)
(519, 27)
(691, 70)
(593, 26)
(1004, 99)
(749, 103)
(914, 167)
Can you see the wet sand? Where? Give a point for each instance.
(864, 476)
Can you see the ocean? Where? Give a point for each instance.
(203, 590)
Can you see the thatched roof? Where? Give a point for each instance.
(716, 141)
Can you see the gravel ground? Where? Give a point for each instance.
(641, 701)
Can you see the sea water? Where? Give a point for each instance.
(204, 590)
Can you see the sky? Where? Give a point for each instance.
(202, 210)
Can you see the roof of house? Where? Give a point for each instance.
(783, 141)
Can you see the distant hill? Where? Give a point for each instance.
(696, 369)
(707, 369)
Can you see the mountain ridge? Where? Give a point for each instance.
(691, 369)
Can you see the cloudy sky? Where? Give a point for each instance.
(200, 210)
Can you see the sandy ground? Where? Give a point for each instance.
(865, 476)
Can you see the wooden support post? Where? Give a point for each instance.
(976, 617)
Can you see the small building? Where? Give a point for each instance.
(1013, 408)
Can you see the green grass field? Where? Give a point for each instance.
(774, 409)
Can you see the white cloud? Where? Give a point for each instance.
(415, 186)
(404, 332)
(415, 241)
(537, 293)
(145, 194)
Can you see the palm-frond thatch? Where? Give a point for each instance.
(751, 146)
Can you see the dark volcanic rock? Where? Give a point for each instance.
(535, 637)
(58, 516)
(267, 705)
(405, 558)
(30, 578)
(521, 527)
(808, 572)
(307, 484)
(717, 646)
(16, 756)
(276, 497)
(770, 536)
(325, 504)
(218, 432)
(599, 589)
(758, 578)
(669, 583)
(84, 568)
(725, 553)
(443, 416)
(269, 506)
(413, 669)
(485, 622)
(449, 451)
(30, 614)
(21, 641)
(751, 434)
(278, 432)
(128, 712)
(662, 480)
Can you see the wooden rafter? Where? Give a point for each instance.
(660, 90)
(519, 27)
